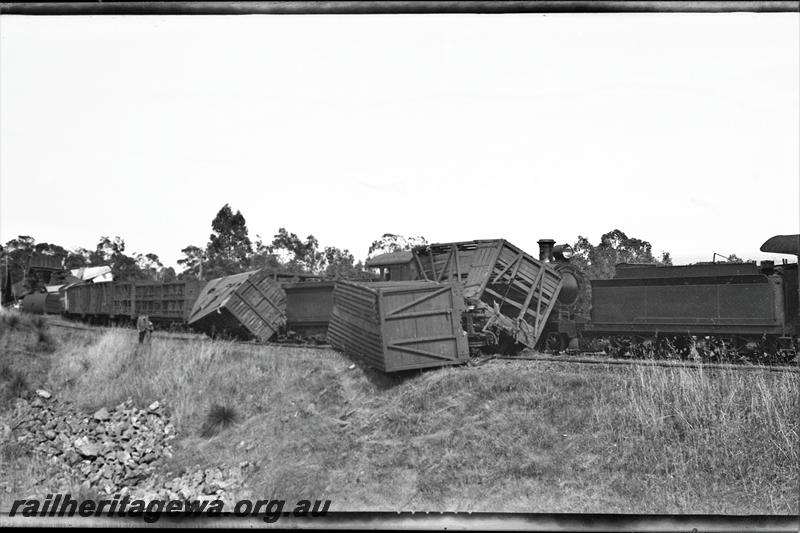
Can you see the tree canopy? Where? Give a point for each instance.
(230, 251)
(600, 261)
(20, 252)
(389, 243)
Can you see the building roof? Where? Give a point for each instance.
(96, 273)
(393, 258)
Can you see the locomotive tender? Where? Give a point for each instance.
(707, 310)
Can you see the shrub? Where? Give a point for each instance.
(218, 418)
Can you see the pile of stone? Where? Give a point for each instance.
(197, 484)
(107, 450)
(112, 451)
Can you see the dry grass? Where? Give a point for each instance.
(507, 436)
(26, 347)
(704, 432)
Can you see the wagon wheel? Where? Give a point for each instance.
(620, 346)
(744, 349)
(554, 342)
(727, 349)
(641, 346)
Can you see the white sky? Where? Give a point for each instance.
(681, 129)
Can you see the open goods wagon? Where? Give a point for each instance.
(163, 302)
(394, 326)
(308, 307)
(506, 289)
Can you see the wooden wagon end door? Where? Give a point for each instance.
(422, 328)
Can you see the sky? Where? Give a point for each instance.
(680, 129)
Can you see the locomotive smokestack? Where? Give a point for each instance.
(546, 249)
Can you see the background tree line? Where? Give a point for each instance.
(229, 250)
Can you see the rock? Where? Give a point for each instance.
(86, 448)
(43, 394)
(72, 458)
(154, 406)
(50, 434)
(102, 414)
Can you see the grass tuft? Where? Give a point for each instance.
(218, 419)
(38, 323)
(11, 320)
(13, 384)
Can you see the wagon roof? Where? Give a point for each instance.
(392, 258)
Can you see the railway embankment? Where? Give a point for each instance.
(250, 421)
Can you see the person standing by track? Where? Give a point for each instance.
(145, 328)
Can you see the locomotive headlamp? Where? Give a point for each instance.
(563, 252)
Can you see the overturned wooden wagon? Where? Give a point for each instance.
(250, 304)
(394, 326)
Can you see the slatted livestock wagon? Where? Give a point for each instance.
(508, 292)
(114, 301)
(162, 302)
(394, 326)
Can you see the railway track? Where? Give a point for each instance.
(584, 359)
(191, 336)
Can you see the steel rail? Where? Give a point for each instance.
(650, 362)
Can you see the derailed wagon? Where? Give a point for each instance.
(250, 304)
(509, 294)
(399, 325)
